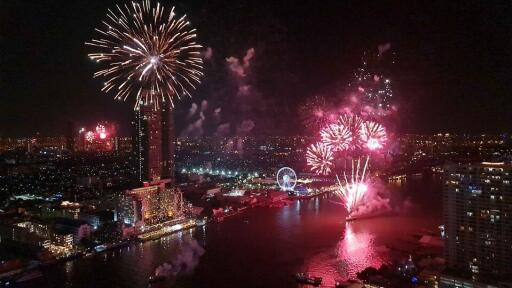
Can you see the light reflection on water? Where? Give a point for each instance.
(355, 250)
(260, 247)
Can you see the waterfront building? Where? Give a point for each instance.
(156, 202)
(477, 215)
(154, 147)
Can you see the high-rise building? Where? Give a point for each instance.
(154, 143)
(155, 203)
(477, 216)
(154, 147)
(70, 136)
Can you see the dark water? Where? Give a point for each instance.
(263, 247)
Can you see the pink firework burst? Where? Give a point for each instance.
(353, 124)
(100, 128)
(319, 157)
(336, 136)
(373, 135)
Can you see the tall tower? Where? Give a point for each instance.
(157, 200)
(168, 143)
(70, 136)
(154, 143)
(477, 212)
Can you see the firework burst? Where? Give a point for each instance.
(148, 53)
(100, 129)
(373, 135)
(320, 157)
(337, 137)
(90, 136)
(352, 137)
(353, 124)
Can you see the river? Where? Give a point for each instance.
(263, 247)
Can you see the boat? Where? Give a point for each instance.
(156, 278)
(308, 279)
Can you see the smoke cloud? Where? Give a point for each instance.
(240, 67)
(245, 127)
(223, 130)
(383, 48)
(204, 105)
(184, 262)
(194, 129)
(376, 201)
(192, 110)
(208, 53)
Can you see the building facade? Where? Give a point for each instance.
(154, 143)
(156, 203)
(477, 214)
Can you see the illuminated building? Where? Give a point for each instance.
(478, 219)
(31, 233)
(154, 143)
(62, 239)
(155, 203)
(154, 148)
(77, 228)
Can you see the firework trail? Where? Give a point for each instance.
(320, 157)
(371, 79)
(352, 190)
(148, 52)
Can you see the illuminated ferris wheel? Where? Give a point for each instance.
(286, 179)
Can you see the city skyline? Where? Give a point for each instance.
(340, 144)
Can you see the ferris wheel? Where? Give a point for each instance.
(286, 179)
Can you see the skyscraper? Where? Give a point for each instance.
(70, 136)
(157, 200)
(477, 215)
(154, 143)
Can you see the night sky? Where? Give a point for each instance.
(453, 72)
